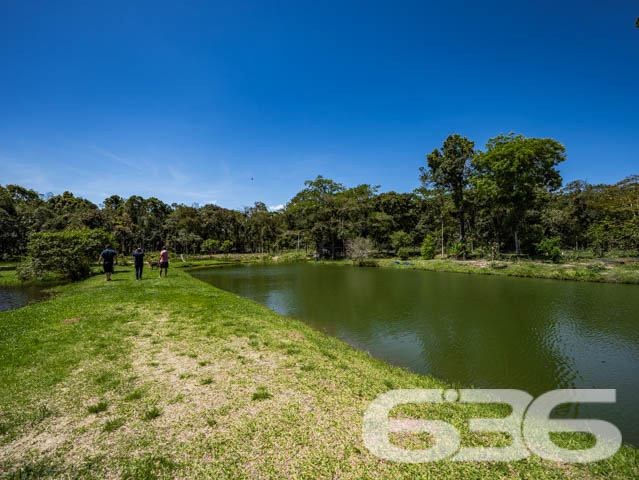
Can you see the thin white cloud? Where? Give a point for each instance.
(178, 176)
(22, 173)
(117, 158)
(166, 179)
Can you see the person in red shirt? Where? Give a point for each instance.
(164, 262)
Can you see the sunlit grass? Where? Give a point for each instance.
(237, 391)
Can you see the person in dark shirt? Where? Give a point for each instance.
(109, 257)
(138, 261)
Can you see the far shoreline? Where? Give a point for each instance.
(617, 270)
(614, 270)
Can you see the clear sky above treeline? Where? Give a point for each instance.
(234, 102)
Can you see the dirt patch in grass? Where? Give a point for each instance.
(296, 335)
(225, 415)
(68, 321)
(233, 379)
(45, 439)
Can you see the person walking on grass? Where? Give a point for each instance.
(109, 257)
(138, 261)
(164, 262)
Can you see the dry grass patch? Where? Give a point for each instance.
(68, 321)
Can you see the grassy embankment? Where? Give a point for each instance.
(9, 278)
(611, 271)
(174, 378)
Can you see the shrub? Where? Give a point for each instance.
(428, 247)
(403, 253)
(227, 246)
(549, 249)
(494, 250)
(401, 239)
(600, 237)
(358, 248)
(366, 263)
(210, 246)
(457, 250)
(69, 254)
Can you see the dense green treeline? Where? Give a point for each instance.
(507, 198)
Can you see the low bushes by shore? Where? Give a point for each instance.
(619, 271)
(596, 270)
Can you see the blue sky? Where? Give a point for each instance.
(235, 102)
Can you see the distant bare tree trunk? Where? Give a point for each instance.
(443, 253)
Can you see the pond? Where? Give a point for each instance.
(471, 330)
(16, 297)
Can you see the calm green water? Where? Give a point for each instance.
(16, 297)
(529, 334)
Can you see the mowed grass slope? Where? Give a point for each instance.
(172, 378)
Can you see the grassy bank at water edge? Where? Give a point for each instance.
(173, 378)
(624, 270)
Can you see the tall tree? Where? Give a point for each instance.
(514, 169)
(449, 170)
(314, 209)
(438, 206)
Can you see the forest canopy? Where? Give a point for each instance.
(507, 198)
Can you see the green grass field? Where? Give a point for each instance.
(172, 378)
